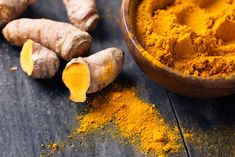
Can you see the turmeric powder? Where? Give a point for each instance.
(193, 37)
(136, 120)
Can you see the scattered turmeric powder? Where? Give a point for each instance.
(194, 37)
(137, 121)
(51, 148)
(218, 141)
(54, 147)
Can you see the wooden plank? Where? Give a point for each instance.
(211, 120)
(33, 112)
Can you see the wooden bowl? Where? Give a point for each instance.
(167, 77)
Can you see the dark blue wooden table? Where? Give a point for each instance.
(36, 112)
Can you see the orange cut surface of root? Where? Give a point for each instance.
(77, 78)
(26, 60)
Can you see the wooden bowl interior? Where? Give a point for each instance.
(167, 77)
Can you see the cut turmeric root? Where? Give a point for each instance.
(83, 14)
(38, 61)
(91, 74)
(64, 39)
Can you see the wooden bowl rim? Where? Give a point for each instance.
(125, 9)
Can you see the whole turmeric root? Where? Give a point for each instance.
(93, 73)
(11, 9)
(38, 61)
(64, 39)
(83, 14)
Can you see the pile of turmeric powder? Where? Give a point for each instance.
(136, 120)
(194, 37)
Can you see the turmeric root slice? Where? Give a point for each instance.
(26, 59)
(91, 74)
(83, 14)
(76, 77)
(38, 61)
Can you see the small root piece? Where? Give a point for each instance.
(83, 14)
(64, 39)
(91, 74)
(13, 69)
(37, 61)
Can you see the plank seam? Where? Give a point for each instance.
(178, 124)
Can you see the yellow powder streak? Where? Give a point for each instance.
(136, 120)
(107, 72)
